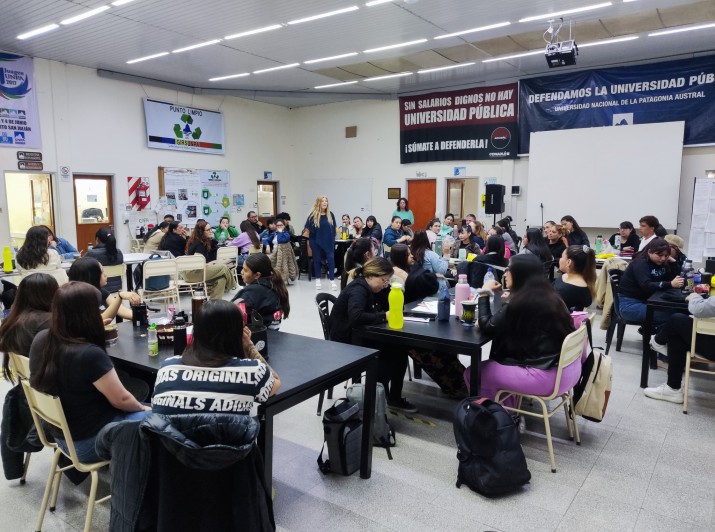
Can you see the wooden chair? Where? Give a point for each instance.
(306, 258)
(324, 302)
(20, 367)
(700, 326)
(155, 268)
(230, 255)
(48, 409)
(187, 263)
(571, 351)
(614, 277)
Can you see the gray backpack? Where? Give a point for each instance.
(382, 433)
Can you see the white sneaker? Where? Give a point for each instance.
(665, 393)
(522, 424)
(317, 285)
(333, 286)
(658, 348)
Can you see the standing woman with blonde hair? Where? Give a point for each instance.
(321, 235)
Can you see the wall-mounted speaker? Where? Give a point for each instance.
(495, 199)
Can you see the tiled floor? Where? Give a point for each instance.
(646, 467)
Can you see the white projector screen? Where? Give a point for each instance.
(604, 175)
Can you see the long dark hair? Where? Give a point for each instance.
(658, 245)
(86, 270)
(105, 236)
(537, 244)
(418, 246)
(164, 244)
(495, 244)
(356, 252)
(524, 269)
(399, 254)
(247, 227)
(199, 235)
(576, 227)
(34, 294)
(75, 320)
(216, 329)
(584, 263)
(261, 263)
(33, 251)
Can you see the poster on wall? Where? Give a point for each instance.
(472, 124)
(192, 194)
(19, 118)
(661, 92)
(172, 126)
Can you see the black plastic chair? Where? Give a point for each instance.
(614, 277)
(324, 302)
(305, 261)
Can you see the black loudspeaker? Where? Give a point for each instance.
(495, 199)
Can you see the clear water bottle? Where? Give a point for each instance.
(687, 274)
(617, 243)
(489, 276)
(152, 340)
(599, 245)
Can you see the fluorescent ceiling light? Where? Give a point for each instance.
(324, 15)
(276, 68)
(474, 30)
(84, 15)
(374, 3)
(335, 85)
(609, 41)
(513, 56)
(38, 31)
(118, 3)
(450, 67)
(253, 32)
(681, 29)
(147, 57)
(350, 54)
(381, 48)
(195, 46)
(221, 78)
(567, 12)
(401, 74)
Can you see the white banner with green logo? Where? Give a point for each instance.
(171, 126)
(19, 118)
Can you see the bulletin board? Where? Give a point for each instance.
(190, 194)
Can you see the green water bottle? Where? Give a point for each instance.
(152, 340)
(396, 300)
(7, 260)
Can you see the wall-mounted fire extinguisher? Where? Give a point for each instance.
(142, 196)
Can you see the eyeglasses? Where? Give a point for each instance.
(280, 225)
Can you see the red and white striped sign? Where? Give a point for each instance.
(132, 184)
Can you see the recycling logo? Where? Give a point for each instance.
(186, 132)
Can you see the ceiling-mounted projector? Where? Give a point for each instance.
(562, 53)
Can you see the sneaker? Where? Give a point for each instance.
(520, 422)
(658, 348)
(317, 285)
(665, 393)
(333, 286)
(402, 404)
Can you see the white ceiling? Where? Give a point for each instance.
(143, 27)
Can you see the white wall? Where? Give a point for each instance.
(96, 125)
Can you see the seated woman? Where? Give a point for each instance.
(433, 229)
(154, 239)
(406, 227)
(363, 302)
(574, 234)
(510, 236)
(218, 276)
(479, 235)
(428, 259)
(283, 257)
(70, 361)
(676, 244)
(358, 225)
(350, 229)
(534, 243)
(234, 375)
(525, 351)
(359, 252)
(106, 252)
(225, 231)
(577, 285)
(627, 238)
(35, 257)
(465, 242)
(393, 234)
(89, 270)
(265, 291)
(401, 260)
(494, 252)
(555, 239)
(448, 228)
(647, 273)
(174, 240)
(496, 230)
(30, 314)
(247, 242)
(372, 229)
(61, 246)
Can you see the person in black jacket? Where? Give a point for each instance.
(218, 275)
(362, 302)
(372, 229)
(647, 273)
(628, 238)
(525, 351)
(574, 234)
(174, 240)
(494, 252)
(265, 290)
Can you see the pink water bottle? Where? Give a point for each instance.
(461, 293)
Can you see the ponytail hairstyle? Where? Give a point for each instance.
(247, 227)
(104, 236)
(357, 251)
(583, 260)
(261, 263)
(375, 267)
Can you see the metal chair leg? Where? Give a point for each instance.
(48, 488)
(321, 398)
(90, 503)
(25, 467)
(621, 331)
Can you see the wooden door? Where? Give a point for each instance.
(422, 197)
(93, 207)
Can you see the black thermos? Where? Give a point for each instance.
(179, 336)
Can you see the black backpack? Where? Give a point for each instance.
(343, 435)
(491, 461)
